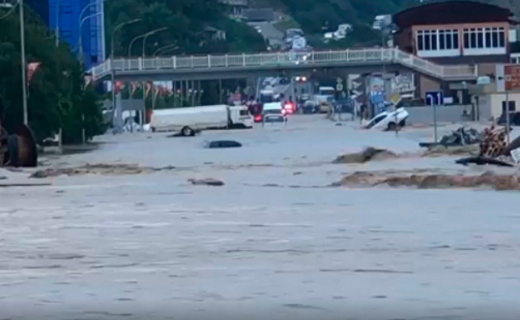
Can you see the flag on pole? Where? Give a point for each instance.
(157, 90)
(31, 69)
(148, 88)
(88, 80)
(118, 86)
(133, 88)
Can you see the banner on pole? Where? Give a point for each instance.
(31, 69)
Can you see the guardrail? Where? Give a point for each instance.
(281, 59)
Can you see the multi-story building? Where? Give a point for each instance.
(456, 32)
(72, 17)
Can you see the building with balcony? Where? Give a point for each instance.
(456, 32)
(68, 15)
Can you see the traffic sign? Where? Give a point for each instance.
(434, 98)
(512, 77)
(339, 80)
(339, 87)
(483, 80)
(508, 77)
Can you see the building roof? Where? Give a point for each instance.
(452, 12)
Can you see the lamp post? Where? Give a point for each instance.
(144, 55)
(57, 29)
(80, 39)
(24, 64)
(166, 48)
(142, 36)
(81, 60)
(149, 34)
(112, 71)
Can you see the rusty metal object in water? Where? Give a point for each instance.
(19, 148)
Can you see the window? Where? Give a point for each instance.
(435, 43)
(442, 40)
(448, 39)
(434, 37)
(512, 106)
(427, 41)
(487, 36)
(484, 38)
(473, 40)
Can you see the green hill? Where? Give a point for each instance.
(316, 17)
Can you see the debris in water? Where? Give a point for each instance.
(99, 169)
(368, 154)
(440, 150)
(432, 181)
(206, 182)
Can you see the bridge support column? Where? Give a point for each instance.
(220, 93)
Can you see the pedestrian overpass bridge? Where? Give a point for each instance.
(371, 60)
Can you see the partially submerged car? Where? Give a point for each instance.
(388, 120)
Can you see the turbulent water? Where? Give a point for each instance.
(274, 241)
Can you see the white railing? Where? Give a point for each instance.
(281, 59)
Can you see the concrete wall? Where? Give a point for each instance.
(493, 102)
(424, 115)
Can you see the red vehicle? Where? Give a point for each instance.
(255, 109)
(289, 107)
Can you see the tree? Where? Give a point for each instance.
(55, 92)
(186, 21)
(187, 24)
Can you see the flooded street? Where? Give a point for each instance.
(275, 241)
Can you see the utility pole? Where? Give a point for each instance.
(57, 28)
(24, 64)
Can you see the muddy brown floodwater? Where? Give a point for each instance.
(275, 240)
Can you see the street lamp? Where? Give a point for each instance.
(119, 26)
(24, 64)
(149, 34)
(80, 39)
(85, 9)
(166, 48)
(57, 29)
(112, 71)
(145, 35)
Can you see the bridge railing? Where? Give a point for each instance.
(321, 58)
(443, 72)
(281, 59)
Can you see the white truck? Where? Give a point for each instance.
(266, 96)
(189, 121)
